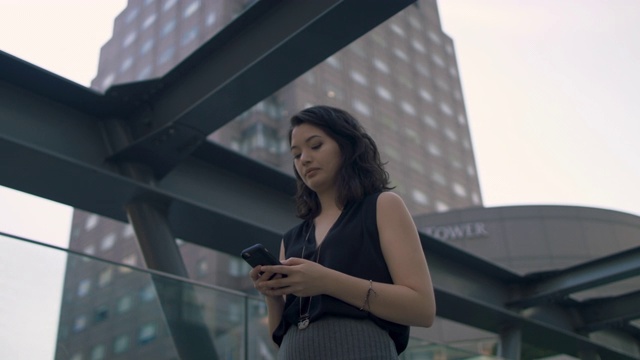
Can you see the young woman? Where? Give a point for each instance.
(354, 275)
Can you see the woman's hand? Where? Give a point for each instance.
(260, 277)
(303, 278)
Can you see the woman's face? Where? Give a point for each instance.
(316, 157)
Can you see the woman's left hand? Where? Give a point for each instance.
(303, 278)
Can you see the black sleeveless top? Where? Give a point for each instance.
(352, 246)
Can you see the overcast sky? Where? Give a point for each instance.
(551, 89)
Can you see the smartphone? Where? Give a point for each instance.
(259, 255)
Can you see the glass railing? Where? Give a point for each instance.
(59, 304)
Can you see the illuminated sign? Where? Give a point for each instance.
(457, 231)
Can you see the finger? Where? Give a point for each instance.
(278, 269)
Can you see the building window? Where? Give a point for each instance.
(438, 60)
(202, 267)
(434, 149)
(384, 93)
(147, 293)
(131, 15)
(147, 333)
(146, 47)
(450, 134)
(91, 222)
(189, 36)
(126, 64)
(127, 231)
(211, 19)
(461, 119)
(380, 65)
(124, 304)
(76, 356)
(191, 9)
(168, 4)
(419, 197)
(121, 344)
(79, 323)
(401, 54)
(166, 55)
(446, 109)
(434, 37)
(145, 73)
(359, 78)
(441, 207)
(453, 72)
(84, 287)
(425, 95)
(129, 39)
(361, 107)
(101, 314)
(475, 198)
(429, 120)
(168, 28)
(471, 170)
(108, 80)
(97, 352)
(418, 46)
(334, 62)
(131, 260)
(407, 108)
(397, 29)
(105, 277)
(459, 190)
(108, 242)
(149, 21)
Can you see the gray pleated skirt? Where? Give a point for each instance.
(334, 338)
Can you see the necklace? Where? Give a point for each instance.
(304, 320)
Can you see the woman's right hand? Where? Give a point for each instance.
(258, 279)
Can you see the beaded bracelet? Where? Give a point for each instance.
(366, 298)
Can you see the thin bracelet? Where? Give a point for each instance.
(366, 297)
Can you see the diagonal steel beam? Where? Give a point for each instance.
(614, 312)
(265, 48)
(585, 276)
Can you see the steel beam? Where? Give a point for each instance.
(613, 312)
(265, 48)
(556, 286)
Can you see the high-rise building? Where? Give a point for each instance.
(400, 80)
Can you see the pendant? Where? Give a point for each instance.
(304, 322)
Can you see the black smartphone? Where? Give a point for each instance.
(259, 255)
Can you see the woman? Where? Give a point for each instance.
(354, 276)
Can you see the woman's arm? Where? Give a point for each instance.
(409, 300)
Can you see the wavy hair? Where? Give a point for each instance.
(361, 172)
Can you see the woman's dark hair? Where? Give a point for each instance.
(362, 172)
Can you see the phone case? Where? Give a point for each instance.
(259, 255)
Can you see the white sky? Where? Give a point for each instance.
(551, 88)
